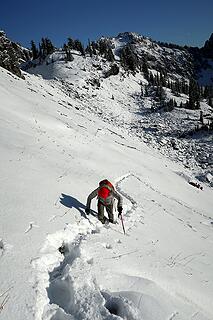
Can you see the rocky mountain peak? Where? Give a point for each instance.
(129, 37)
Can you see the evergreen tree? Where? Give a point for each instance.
(168, 84)
(202, 91)
(170, 105)
(89, 49)
(160, 93)
(40, 51)
(49, 46)
(162, 80)
(186, 104)
(102, 47)
(178, 86)
(145, 69)
(109, 55)
(68, 54)
(206, 92)
(34, 50)
(46, 47)
(210, 102)
(194, 95)
(79, 46)
(157, 80)
(71, 43)
(201, 116)
(185, 87)
(43, 48)
(105, 50)
(94, 47)
(151, 78)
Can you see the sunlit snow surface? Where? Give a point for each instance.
(54, 150)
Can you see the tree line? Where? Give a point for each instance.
(46, 47)
(130, 61)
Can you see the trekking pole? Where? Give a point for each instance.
(123, 224)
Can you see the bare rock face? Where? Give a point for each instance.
(12, 54)
(208, 48)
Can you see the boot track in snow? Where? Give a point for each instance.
(62, 290)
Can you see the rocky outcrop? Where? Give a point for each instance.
(12, 54)
(208, 48)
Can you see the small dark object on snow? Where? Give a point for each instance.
(61, 249)
(197, 185)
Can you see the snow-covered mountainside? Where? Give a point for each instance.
(176, 62)
(121, 112)
(173, 60)
(128, 100)
(59, 136)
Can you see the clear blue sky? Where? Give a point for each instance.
(181, 21)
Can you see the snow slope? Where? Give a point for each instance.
(54, 151)
(119, 99)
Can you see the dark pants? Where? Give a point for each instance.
(109, 209)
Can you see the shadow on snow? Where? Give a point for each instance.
(71, 202)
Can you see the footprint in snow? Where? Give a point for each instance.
(3, 247)
(207, 223)
(1, 244)
(31, 225)
(90, 261)
(108, 246)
